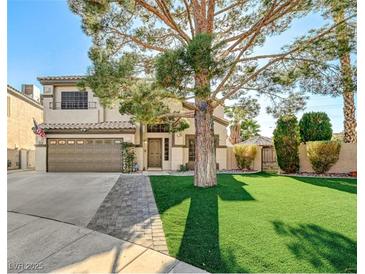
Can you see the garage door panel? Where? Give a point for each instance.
(84, 155)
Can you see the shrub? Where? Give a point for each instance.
(315, 126)
(245, 154)
(183, 168)
(286, 142)
(323, 154)
(127, 157)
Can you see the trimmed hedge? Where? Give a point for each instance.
(323, 154)
(315, 126)
(245, 154)
(286, 142)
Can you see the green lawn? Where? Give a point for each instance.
(260, 223)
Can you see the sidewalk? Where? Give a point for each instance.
(43, 245)
(11, 171)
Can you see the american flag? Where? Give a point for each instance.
(38, 130)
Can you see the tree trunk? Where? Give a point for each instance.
(235, 134)
(350, 135)
(205, 160)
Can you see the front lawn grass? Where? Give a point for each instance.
(260, 223)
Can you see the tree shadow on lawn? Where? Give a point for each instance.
(326, 251)
(342, 184)
(261, 174)
(200, 242)
(346, 185)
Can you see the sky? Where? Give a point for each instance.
(45, 39)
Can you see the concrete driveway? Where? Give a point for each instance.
(67, 197)
(48, 215)
(38, 245)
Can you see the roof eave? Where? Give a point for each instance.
(60, 80)
(90, 131)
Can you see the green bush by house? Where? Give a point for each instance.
(128, 157)
(323, 154)
(286, 141)
(315, 126)
(183, 168)
(245, 154)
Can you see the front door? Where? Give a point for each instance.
(191, 150)
(155, 153)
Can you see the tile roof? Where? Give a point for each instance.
(258, 140)
(63, 77)
(102, 125)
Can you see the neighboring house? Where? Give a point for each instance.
(32, 91)
(21, 109)
(82, 135)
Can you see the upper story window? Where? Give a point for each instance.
(74, 100)
(158, 128)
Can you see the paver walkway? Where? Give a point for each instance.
(129, 212)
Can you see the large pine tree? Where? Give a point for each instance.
(199, 50)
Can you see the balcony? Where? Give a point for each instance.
(72, 105)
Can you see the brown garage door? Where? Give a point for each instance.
(84, 155)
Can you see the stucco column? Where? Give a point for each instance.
(23, 159)
(257, 163)
(41, 157)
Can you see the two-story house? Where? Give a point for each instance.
(82, 135)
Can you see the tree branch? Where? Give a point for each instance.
(233, 66)
(272, 14)
(265, 56)
(188, 114)
(229, 7)
(187, 7)
(166, 20)
(197, 16)
(138, 41)
(242, 50)
(167, 13)
(210, 16)
(281, 57)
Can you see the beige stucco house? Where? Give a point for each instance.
(82, 135)
(21, 108)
